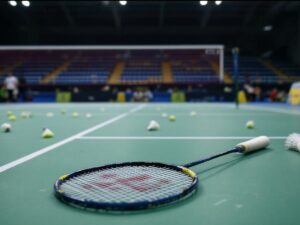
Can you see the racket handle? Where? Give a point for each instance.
(254, 144)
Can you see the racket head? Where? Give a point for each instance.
(130, 186)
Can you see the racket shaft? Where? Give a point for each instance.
(244, 147)
(235, 150)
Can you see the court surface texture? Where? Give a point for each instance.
(261, 188)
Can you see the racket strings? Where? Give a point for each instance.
(127, 184)
(107, 192)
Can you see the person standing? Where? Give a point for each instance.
(11, 87)
(22, 88)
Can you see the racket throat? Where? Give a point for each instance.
(238, 149)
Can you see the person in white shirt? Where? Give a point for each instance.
(11, 87)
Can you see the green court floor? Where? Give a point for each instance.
(261, 188)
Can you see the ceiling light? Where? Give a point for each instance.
(123, 2)
(203, 3)
(26, 3)
(12, 3)
(268, 28)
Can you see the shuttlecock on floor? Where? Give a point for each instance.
(47, 133)
(193, 113)
(88, 115)
(172, 118)
(164, 115)
(75, 114)
(250, 124)
(153, 126)
(24, 115)
(12, 118)
(6, 127)
(293, 142)
(49, 114)
(9, 113)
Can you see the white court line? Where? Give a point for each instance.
(65, 141)
(284, 111)
(170, 138)
(220, 202)
(205, 114)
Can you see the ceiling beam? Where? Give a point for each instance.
(248, 17)
(68, 14)
(161, 14)
(293, 5)
(117, 17)
(154, 30)
(205, 17)
(273, 11)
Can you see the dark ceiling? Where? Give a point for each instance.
(233, 23)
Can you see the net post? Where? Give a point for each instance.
(235, 56)
(221, 67)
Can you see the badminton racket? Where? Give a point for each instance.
(132, 186)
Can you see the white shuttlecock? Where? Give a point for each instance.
(88, 115)
(47, 133)
(24, 115)
(6, 127)
(250, 124)
(153, 125)
(293, 142)
(193, 113)
(49, 114)
(75, 114)
(164, 115)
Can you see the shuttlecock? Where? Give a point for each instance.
(12, 118)
(49, 114)
(153, 125)
(250, 124)
(164, 115)
(172, 118)
(293, 142)
(9, 113)
(75, 114)
(193, 113)
(25, 115)
(47, 133)
(6, 127)
(88, 115)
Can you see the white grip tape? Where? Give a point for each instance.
(254, 144)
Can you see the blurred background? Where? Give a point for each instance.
(156, 51)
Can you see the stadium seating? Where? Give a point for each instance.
(191, 66)
(251, 70)
(140, 66)
(89, 67)
(35, 64)
(288, 69)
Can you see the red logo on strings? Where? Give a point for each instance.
(139, 183)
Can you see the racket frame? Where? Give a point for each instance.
(140, 205)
